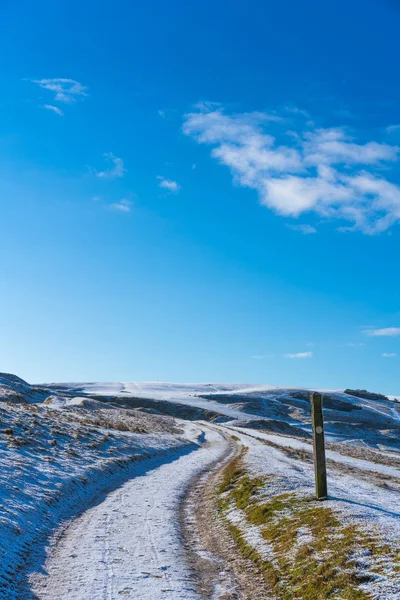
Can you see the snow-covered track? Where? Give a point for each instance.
(130, 544)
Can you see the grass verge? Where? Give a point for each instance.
(316, 555)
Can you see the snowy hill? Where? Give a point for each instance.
(347, 417)
(105, 491)
(57, 454)
(15, 389)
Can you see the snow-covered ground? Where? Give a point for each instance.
(129, 545)
(358, 500)
(54, 461)
(90, 489)
(347, 418)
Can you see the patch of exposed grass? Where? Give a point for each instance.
(232, 472)
(259, 514)
(320, 567)
(246, 489)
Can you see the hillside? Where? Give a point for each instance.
(214, 485)
(348, 418)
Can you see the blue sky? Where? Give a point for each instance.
(201, 191)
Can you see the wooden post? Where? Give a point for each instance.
(319, 447)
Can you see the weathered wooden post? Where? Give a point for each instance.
(321, 487)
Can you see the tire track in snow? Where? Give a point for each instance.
(204, 534)
(107, 559)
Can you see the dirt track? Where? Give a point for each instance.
(221, 573)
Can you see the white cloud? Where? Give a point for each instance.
(386, 332)
(334, 146)
(392, 128)
(322, 170)
(65, 90)
(168, 184)
(262, 356)
(297, 111)
(304, 229)
(123, 205)
(54, 109)
(355, 344)
(299, 355)
(116, 170)
(389, 354)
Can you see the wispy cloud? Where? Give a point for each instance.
(393, 128)
(386, 332)
(304, 229)
(355, 344)
(123, 205)
(116, 169)
(389, 354)
(65, 90)
(299, 355)
(168, 184)
(262, 356)
(54, 109)
(297, 111)
(322, 170)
